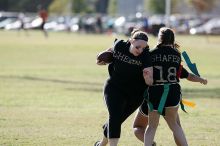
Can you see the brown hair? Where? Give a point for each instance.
(139, 35)
(166, 37)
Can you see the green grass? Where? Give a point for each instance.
(51, 91)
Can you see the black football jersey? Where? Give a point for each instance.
(126, 70)
(166, 62)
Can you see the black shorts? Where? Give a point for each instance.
(120, 105)
(173, 96)
(143, 109)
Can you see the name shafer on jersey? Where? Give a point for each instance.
(166, 62)
(165, 58)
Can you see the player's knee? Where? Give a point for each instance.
(137, 130)
(153, 125)
(151, 129)
(173, 125)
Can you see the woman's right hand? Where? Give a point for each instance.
(204, 81)
(100, 62)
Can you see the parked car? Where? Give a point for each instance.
(119, 24)
(57, 24)
(18, 24)
(7, 21)
(35, 23)
(155, 23)
(185, 28)
(210, 27)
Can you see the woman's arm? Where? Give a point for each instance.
(194, 78)
(191, 77)
(148, 75)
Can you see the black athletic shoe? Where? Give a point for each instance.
(97, 143)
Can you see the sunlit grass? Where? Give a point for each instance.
(51, 91)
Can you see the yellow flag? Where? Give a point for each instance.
(188, 103)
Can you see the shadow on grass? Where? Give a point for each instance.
(89, 89)
(201, 93)
(87, 86)
(51, 80)
(97, 87)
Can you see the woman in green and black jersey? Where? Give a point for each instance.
(141, 117)
(165, 94)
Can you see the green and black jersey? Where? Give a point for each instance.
(166, 64)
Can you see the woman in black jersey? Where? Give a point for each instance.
(141, 117)
(165, 94)
(130, 72)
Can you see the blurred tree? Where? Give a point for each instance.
(75, 6)
(157, 6)
(25, 5)
(202, 5)
(146, 5)
(58, 6)
(173, 4)
(112, 7)
(4, 5)
(79, 6)
(101, 6)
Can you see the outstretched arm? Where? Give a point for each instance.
(194, 78)
(191, 77)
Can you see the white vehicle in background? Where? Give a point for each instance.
(18, 24)
(210, 27)
(119, 23)
(7, 21)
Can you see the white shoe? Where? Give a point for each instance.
(97, 143)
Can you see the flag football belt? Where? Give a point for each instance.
(164, 98)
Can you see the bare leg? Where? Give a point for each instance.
(171, 119)
(104, 141)
(178, 122)
(153, 121)
(139, 125)
(113, 141)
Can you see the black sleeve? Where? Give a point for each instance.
(184, 73)
(117, 45)
(110, 69)
(146, 59)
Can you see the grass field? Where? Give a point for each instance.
(51, 91)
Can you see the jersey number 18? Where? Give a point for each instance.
(171, 74)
